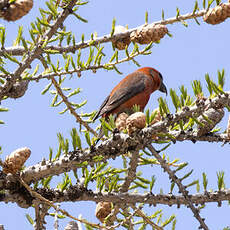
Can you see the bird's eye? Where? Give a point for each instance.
(152, 73)
(156, 74)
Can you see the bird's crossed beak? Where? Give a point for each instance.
(163, 88)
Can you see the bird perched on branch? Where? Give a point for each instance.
(134, 89)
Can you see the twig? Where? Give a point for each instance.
(131, 174)
(20, 50)
(182, 189)
(78, 69)
(120, 144)
(141, 214)
(65, 100)
(219, 101)
(56, 225)
(71, 109)
(37, 51)
(92, 67)
(192, 136)
(130, 198)
(40, 213)
(38, 222)
(44, 200)
(120, 223)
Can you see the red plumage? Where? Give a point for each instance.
(134, 89)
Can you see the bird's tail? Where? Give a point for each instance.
(100, 135)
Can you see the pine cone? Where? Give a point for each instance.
(18, 89)
(121, 121)
(15, 10)
(135, 121)
(121, 43)
(149, 33)
(218, 14)
(16, 160)
(103, 209)
(214, 115)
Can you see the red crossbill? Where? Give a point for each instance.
(134, 89)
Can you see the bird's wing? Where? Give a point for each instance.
(128, 89)
(101, 107)
(134, 86)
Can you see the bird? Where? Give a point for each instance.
(134, 89)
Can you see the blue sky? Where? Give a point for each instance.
(187, 56)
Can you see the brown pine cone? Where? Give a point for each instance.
(121, 121)
(18, 89)
(218, 14)
(103, 209)
(121, 43)
(15, 10)
(135, 121)
(214, 115)
(149, 33)
(16, 160)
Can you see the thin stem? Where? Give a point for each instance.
(130, 198)
(71, 109)
(141, 214)
(131, 174)
(79, 69)
(37, 51)
(182, 189)
(46, 201)
(20, 50)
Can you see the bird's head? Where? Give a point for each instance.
(156, 77)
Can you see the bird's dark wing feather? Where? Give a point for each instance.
(128, 89)
(101, 107)
(121, 95)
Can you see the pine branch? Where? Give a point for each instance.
(77, 193)
(91, 67)
(20, 50)
(66, 101)
(50, 203)
(36, 52)
(181, 187)
(131, 174)
(81, 69)
(193, 137)
(139, 212)
(40, 213)
(219, 101)
(130, 177)
(121, 143)
(125, 220)
(71, 109)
